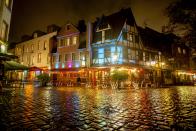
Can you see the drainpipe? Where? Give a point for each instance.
(88, 43)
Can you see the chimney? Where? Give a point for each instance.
(52, 28)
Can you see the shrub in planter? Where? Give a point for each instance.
(43, 78)
(119, 76)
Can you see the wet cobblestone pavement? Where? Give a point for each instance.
(47, 108)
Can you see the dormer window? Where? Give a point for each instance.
(102, 29)
(35, 35)
(68, 27)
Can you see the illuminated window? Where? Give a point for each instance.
(32, 47)
(45, 45)
(184, 51)
(101, 55)
(39, 58)
(82, 59)
(4, 31)
(130, 38)
(179, 50)
(107, 54)
(74, 40)
(103, 37)
(32, 61)
(38, 45)
(73, 56)
(66, 57)
(60, 58)
(68, 41)
(129, 54)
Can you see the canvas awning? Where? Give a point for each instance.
(35, 68)
(12, 65)
(7, 56)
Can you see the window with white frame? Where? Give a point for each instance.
(39, 58)
(68, 41)
(73, 56)
(74, 40)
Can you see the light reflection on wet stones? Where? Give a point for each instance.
(100, 109)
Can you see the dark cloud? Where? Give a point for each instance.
(30, 15)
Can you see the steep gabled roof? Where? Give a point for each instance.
(157, 41)
(65, 31)
(116, 22)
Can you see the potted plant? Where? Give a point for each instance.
(43, 78)
(119, 76)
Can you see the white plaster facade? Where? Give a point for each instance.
(36, 52)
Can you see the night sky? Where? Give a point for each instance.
(31, 15)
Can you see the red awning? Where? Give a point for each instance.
(34, 68)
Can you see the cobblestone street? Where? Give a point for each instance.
(62, 108)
